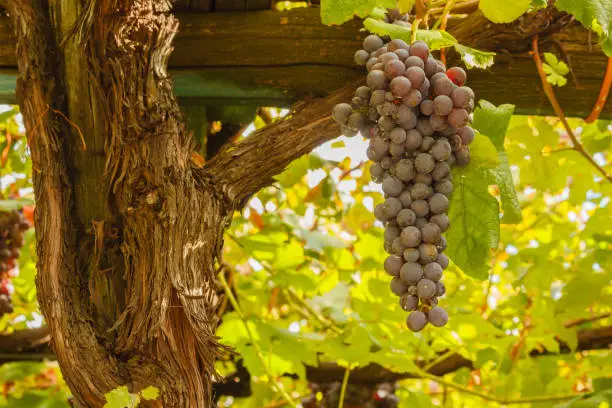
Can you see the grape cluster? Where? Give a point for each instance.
(357, 396)
(416, 114)
(12, 226)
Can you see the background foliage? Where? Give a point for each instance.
(304, 283)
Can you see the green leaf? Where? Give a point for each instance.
(289, 256)
(405, 6)
(19, 370)
(339, 11)
(555, 70)
(120, 397)
(294, 172)
(150, 393)
(593, 14)
(474, 58)
(539, 4)
(493, 121)
(474, 216)
(4, 116)
(435, 39)
(503, 11)
(38, 399)
(10, 205)
(483, 154)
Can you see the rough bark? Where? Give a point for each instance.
(128, 234)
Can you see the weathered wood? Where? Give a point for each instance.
(274, 58)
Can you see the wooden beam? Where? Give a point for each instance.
(274, 58)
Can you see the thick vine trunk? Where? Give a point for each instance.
(128, 232)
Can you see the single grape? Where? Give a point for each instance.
(419, 191)
(411, 255)
(462, 97)
(400, 86)
(397, 44)
(459, 118)
(392, 207)
(409, 302)
(416, 75)
(457, 75)
(441, 86)
(405, 218)
(431, 67)
(431, 233)
(356, 120)
(441, 149)
(438, 203)
(392, 186)
(424, 163)
(361, 57)
(425, 89)
(467, 135)
(341, 113)
(394, 68)
(416, 321)
(420, 208)
(405, 198)
(391, 233)
(380, 51)
(455, 142)
(379, 212)
(443, 105)
(393, 264)
(364, 93)
(442, 260)
(426, 289)
(413, 98)
(410, 273)
(379, 66)
(427, 107)
(428, 252)
(412, 290)
(387, 248)
(438, 123)
(422, 178)
(440, 288)
(396, 150)
(404, 170)
(402, 54)
(406, 117)
(413, 139)
(410, 236)
(414, 61)
(432, 271)
(387, 109)
(419, 49)
(372, 43)
(398, 135)
(424, 127)
(376, 171)
(373, 117)
(441, 220)
(441, 246)
(441, 171)
(397, 248)
(432, 302)
(388, 57)
(386, 124)
(420, 222)
(386, 163)
(437, 316)
(397, 286)
(376, 79)
(377, 98)
(463, 156)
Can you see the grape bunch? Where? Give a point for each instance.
(12, 226)
(415, 113)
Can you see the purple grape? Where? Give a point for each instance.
(411, 255)
(420, 208)
(419, 49)
(400, 86)
(443, 105)
(416, 75)
(414, 61)
(361, 57)
(397, 286)
(413, 139)
(438, 203)
(431, 233)
(405, 218)
(432, 271)
(409, 302)
(441, 220)
(376, 79)
(437, 316)
(467, 135)
(428, 252)
(426, 289)
(411, 273)
(416, 321)
(372, 43)
(394, 68)
(410, 236)
(458, 118)
(393, 264)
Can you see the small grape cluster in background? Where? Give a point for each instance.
(357, 396)
(12, 226)
(416, 114)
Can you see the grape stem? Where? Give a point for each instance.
(603, 94)
(277, 387)
(345, 381)
(550, 94)
(493, 398)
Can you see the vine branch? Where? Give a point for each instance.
(550, 94)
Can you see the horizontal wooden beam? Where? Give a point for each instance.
(274, 58)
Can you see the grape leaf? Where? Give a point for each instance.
(504, 11)
(474, 216)
(474, 58)
(493, 122)
(150, 393)
(339, 11)
(593, 14)
(435, 39)
(120, 397)
(405, 5)
(555, 70)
